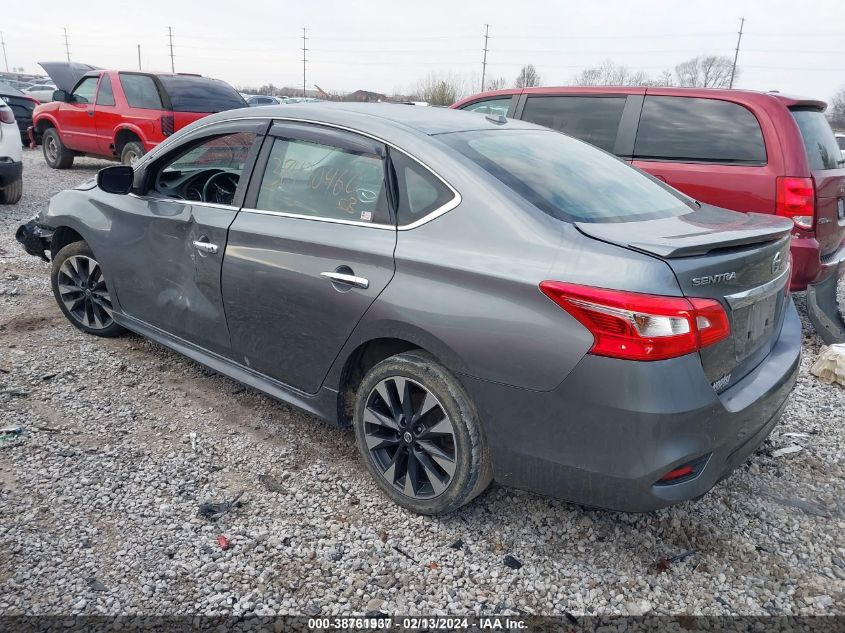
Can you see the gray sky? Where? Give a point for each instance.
(389, 45)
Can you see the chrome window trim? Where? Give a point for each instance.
(747, 297)
(297, 216)
(212, 205)
(431, 215)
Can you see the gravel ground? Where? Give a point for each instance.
(124, 439)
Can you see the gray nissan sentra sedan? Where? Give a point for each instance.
(480, 298)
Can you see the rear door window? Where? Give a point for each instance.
(490, 106)
(84, 91)
(105, 95)
(420, 191)
(322, 181)
(819, 141)
(141, 91)
(699, 130)
(591, 119)
(200, 94)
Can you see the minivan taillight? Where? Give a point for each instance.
(636, 326)
(6, 115)
(167, 125)
(796, 199)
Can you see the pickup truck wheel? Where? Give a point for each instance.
(81, 292)
(132, 151)
(55, 153)
(11, 193)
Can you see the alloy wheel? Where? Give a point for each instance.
(52, 148)
(83, 291)
(410, 438)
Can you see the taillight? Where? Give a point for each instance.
(6, 115)
(167, 125)
(638, 326)
(796, 199)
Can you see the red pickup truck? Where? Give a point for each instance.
(120, 114)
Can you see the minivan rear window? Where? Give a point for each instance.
(685, 129)
(200, 94)
(819, 141)
(567, 178)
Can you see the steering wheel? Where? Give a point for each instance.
(220, 188)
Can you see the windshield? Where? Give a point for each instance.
(567, 178)
(200, 94)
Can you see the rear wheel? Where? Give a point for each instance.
(131, 152)
(81, 292)
(55, 153)
(11, 193)
(420, 436)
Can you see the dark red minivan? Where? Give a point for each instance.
(761, 152)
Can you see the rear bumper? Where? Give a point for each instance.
(613, 428)
(808, 266)
(822, 308)
(10, 171)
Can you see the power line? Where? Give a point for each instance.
(67, 46)
(3, 43)
(736, 54)
(304, 41)
(170, 35)
(484, 62)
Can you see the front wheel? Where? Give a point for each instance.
(56, 154)
(419, 435)
(81, 292)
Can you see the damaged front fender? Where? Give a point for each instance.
(35, 238)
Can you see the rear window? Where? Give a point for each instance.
(568, 179)
(200, 94)
(819, 141)
(699, 130)
(141, 91)
(592, 119)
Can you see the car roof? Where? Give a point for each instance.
(728, 94)
(377, 118)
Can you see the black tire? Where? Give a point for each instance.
(131, 152)
(465, 444)
(89, 307)
(56, 154)
(11, 193)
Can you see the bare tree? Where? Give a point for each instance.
(440, 89)
(528, 77)
(500, 83)
(705, 71)
(836, 110)
(611, 74)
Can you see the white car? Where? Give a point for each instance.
(41, 92)
(11, 167)
(840, 140)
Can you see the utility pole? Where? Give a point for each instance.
(304, 41)
(3, 43)
(67, 47)
(139, 57)
(736, 54)
(484, 62)
(170, 35)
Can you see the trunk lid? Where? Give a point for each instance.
(741, 260)
(828, 170)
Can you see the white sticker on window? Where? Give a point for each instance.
(367, 216)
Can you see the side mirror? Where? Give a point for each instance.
(116, 179)
(60, 95)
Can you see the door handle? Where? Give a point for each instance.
(205, 247)
(347, 280)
